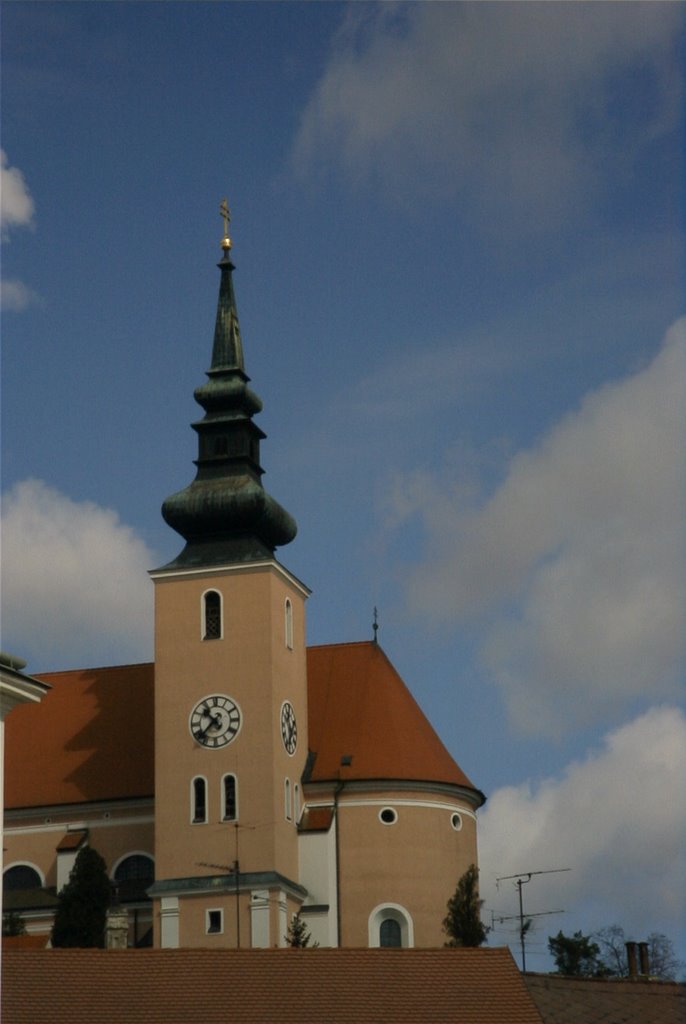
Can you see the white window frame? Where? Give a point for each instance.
(386, 810)
(395, 912)
(203, 614)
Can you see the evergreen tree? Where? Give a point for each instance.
(463, 924)
(298, 935)
(83, 902)
(576, 955)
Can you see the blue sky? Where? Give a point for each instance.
(458, 232)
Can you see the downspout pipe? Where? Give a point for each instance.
(337, 790)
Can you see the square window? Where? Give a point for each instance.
(215, 922)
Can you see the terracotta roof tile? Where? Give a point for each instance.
(336, 986)
(72, 840)
(316, 819)
(24, 942)
(91, 737)
(360, 708)
(563, 1000)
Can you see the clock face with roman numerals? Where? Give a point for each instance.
(289, 728)
(215, 721)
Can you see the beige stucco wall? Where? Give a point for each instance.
(113, 832)
(414, 863)
(252, 919)
(252, 664)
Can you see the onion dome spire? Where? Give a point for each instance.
(225, 515)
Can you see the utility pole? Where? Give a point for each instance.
(522, 879)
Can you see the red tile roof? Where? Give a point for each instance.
(563, 1000)
(24, 942)
(359, 708)
(316, 819)
(335, 986)
(91, 737)
(72, 840)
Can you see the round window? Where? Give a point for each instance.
(456, 822)
(388, 816)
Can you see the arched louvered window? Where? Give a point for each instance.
(289, 624)
(229, 798)
(212, 615)
(199, 800)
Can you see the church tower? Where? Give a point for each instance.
(230, 680)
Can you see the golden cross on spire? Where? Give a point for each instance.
(226, 215)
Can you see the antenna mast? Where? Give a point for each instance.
(521, 879)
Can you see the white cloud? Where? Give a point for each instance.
(15, 296)
(509, 104)
(574, 566)
(75, 590)
(16, 210)
(616, 819)
(16, 204)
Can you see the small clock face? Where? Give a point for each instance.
(289, 728)
(215, 721)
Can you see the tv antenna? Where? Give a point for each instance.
(235, 870)
(520, 880)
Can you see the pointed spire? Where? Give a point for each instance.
(225, 515)
(227, 349)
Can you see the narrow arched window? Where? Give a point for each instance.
(288, 810)
(390, 925)
(390, 933)
(199, 800)
(289, 624)
(229, 798)
(212, 615)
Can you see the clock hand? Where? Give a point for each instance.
(215, 720)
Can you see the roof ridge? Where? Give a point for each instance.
(345, 643)
(95, 668)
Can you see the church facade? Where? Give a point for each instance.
(244, 777)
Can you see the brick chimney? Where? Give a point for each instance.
(644, 958)
(631, 959)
